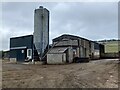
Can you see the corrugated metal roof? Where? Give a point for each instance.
(58, 50)
(67, 36)
(72, 37)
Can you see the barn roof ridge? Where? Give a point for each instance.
(69, 35)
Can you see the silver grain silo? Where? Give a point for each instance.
(41, 30)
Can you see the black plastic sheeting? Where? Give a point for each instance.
(80, 60)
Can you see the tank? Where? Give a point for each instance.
(41, 30)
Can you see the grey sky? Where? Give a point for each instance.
(94, 21)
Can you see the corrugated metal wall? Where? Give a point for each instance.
(41, 30)
(15, 44)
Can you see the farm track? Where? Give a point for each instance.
(95, 74)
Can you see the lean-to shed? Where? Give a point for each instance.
(60, 55)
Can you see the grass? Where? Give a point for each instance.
(111, 47)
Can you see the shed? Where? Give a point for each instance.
(21, 48)
(60, 55)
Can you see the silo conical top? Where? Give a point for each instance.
(40, 6)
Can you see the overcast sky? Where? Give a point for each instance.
(94, 21)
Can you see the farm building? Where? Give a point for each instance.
(64, 49)
(78, 47)
(60, 55)
(32, 46)
(21, 48)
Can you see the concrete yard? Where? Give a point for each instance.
(95, 74)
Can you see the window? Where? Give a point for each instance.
(22, 51)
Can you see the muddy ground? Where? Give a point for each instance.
(95, 74)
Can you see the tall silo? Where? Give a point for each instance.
(41, 30)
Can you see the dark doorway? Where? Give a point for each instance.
(21, 55)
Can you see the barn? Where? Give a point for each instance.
(21, 48)
(80, 48)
